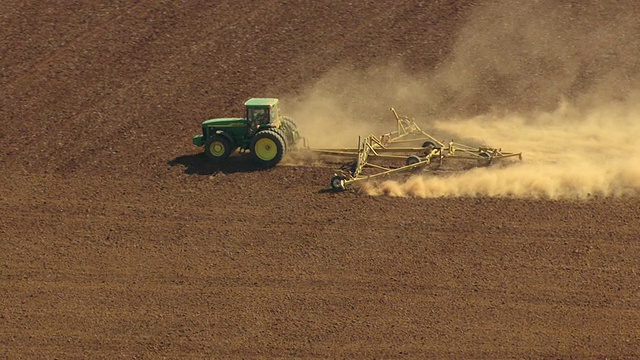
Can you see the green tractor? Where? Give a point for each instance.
(264, 131)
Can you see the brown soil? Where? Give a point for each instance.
(118, 239)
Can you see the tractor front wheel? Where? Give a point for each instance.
(267, 148)
(217, 148)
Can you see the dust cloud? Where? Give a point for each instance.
(347, 103)
(556, 81)
(567, 154)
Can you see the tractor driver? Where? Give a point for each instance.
(260, 115)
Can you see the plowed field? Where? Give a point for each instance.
(119, 240)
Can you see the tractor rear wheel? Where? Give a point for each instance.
(291, 130)
(289, 123)
(283, 135)
(218, 148)
(267, 148)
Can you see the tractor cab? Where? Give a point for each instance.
(261, 113)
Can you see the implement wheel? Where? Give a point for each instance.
(337, 182)
(267, 148)
(413, 159)
(429, 145)
(485, 159)
(217, 148)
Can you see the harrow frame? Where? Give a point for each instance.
(388, 146)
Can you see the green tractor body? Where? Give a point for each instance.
(263, 131)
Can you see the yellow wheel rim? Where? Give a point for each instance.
(266, 149)
(216, 148)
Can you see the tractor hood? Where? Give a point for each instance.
(225, 122)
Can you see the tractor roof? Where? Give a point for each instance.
(261, 102)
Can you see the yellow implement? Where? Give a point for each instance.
(388, 146)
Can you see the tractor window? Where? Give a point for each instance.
(274, 113)
(258, 116)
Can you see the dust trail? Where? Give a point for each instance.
(558, 81)
(530, 55)
(347, 103)
(567, 154)
(564, 78)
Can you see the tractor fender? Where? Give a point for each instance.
(226, 136)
